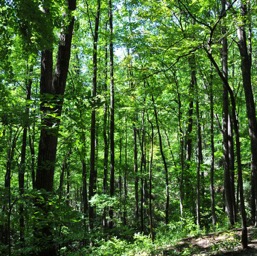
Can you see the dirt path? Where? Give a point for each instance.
(224, 243)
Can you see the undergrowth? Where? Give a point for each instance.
(172, 239)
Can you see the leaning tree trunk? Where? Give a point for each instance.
(250, 105)
(227, 175)
(167, 205)
(244, 238)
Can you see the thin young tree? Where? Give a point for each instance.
(93, 169)
(225, 128)
(112, 113)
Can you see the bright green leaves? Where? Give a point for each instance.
(35, 21)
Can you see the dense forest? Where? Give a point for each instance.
(125, 124)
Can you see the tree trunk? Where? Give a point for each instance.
(182, 148)
(52, 92)
(213, 213)
(125, 182)
(231, 155)
(250, 105)
(227, 174)
(7, 207)
(136, 174)
(22, 167)
(167, 206)
(236, 127)
(142, 172)
(120, 184)
(105, 136)
(84, 188)
(189, 195)
(244, 236)
(32, 152)
(151, 227)
(93, 168)
(112, 119)
(199, 163)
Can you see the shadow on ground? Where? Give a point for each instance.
(225, 243)
(249, 251)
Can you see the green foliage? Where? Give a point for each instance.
(142, 245)
(154, 42)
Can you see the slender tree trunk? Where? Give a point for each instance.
(7, 207)
(22, 167)
(105, 135)
(63, 170)
(199, 163)
(189, 141)
(214, 217)
(231, 155)
(120, 185)
(32, 152)
(182, 148)
(244, 236)
(93, 168)
(250, 104)
(112, 119)
(142, 172)
(167, 206)
(68, 196)
(227, 174)
(150, 183)
(84, 188)
(238, 150)
(125, 183)
(136, 174)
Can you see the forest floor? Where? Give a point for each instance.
(223, 243)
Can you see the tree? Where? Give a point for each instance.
(250, 104)
(93, 171)
(52, 88)
(112, 112)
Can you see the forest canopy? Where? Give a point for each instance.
(125, 123)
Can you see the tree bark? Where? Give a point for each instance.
(142, 143)
(189, 195)
(22, 167)
(250, 105)
(167, 205)
(105, 136)
(199, 163)
(214, 217)
(239, 166)
(52, 90)
(93, 168)
(227, 174)
(112, 111)
(136, 174)
(151, 227)
(182, 148)
(7, 207)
